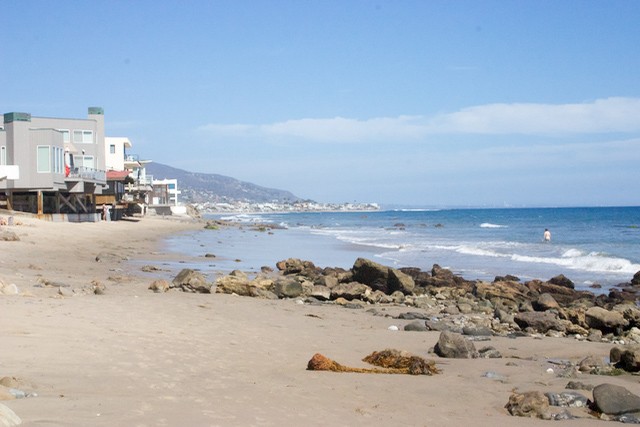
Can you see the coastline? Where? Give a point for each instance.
(127, 356)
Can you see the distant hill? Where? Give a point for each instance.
(203, 187)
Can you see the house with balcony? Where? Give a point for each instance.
(129, 188)
(53, 167)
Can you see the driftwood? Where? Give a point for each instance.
(392, 362)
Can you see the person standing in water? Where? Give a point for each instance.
(547, 235)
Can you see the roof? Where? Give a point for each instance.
(117, 175)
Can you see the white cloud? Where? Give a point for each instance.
(600, 116)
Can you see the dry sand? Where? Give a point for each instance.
(131, 357)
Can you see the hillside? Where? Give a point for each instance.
(203, 187)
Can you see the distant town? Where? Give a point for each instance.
(272, 207)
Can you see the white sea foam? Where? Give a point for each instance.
(489, 225)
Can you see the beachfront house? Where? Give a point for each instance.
(129, 187)
(52, 167)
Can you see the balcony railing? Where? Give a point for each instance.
(87, 174)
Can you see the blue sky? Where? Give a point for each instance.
(429, 103)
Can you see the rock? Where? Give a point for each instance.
(605, 320)
(531, 404)
(477, 331)
(350, 291)
(159, 286)
(540, 321)
(570, 399)
(614, 400)
(322, 293)
(563, 281)
(507, 292)
(8, 418)
(192, 281)
(149, 268)
(627, 358)
(287, 287)
(399, 281)
(636, 279)
(371, 274)
(234, 284)
(455, 346)
(489, 353)
(417, 325)
(65, 292)
(590, 364)
(545, 302)
(577, 385)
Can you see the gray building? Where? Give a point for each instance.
(56, 166)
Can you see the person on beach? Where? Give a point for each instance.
(547, 235)
(105, 212)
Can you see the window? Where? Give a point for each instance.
(58, 160)
(44, 159)
(83, 136)
(3, 155)
(66, 137)
(112, 149)
(83, 161)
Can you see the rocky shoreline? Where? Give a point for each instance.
(467, 312)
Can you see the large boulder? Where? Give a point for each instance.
(286, 287)
(191, 281)
(455, 346)
(371, 274)
(562, 280)
(238, 284)
(399, 281)
(636, 279)
(350, 291)
(614, 400)
(540, 321)
(605, 320)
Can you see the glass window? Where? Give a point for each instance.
(43, 159)
(83, 136)
(66, 137)
(112, 149)
(3, 155)
(84, 161)
(58, 159)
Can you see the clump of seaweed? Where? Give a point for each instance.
(392, 361)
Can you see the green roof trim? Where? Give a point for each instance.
(96, 110)
(17, 117)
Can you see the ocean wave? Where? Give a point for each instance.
(592, 262)
(489, 225)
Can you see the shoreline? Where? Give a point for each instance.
(129, 356)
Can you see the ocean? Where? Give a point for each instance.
(588, 245)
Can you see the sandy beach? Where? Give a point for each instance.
(126, 356)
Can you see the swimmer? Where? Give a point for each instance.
(547, 235)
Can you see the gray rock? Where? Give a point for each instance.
(417, 325)
(455, 346)
(615, 400)
(540, 321)
(9, 236)
(477, 331)
(570, 399)
(286, 287)
(489, 353)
